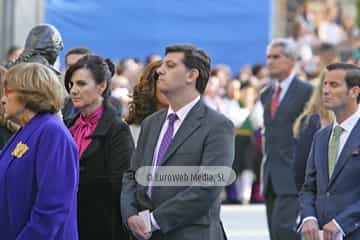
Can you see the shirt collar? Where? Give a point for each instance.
(183, 112)
(350, 122)
(286, 83)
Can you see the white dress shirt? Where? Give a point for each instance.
(285, 84)
(347, 127)
(181, 114)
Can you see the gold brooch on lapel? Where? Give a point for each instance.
(20, 150)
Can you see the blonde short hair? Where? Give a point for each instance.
(36, 86)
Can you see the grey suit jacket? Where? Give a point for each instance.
(279, 139)
(339, 196)
(205, 138)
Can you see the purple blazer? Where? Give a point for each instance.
(38, 190)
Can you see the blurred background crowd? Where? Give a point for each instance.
(324, 32)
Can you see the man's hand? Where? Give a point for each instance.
(137, 227)
(330, 231)
(310, 230)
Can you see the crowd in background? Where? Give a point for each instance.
(106, 103)
(323, 31)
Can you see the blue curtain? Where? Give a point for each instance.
(234, 32)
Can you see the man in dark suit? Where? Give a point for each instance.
(283, 102)
(188, 133)
(330, 197)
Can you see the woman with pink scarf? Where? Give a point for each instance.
(105, 146)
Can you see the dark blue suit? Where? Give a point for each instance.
(339, 196)
(278, 170)
(38, 191)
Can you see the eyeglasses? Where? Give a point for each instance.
(7, 91)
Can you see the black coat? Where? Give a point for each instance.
(101, 168)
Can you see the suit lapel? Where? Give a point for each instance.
(351, 143)
(324, 146)
(288, 99)
(267, 102)
(190, 124)
(155, 129)
(91, 149)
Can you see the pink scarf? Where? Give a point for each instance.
(83, 127)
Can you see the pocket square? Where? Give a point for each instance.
(355, 152)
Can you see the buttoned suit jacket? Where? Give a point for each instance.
(279, 140)
(338, 197)
(205, 138)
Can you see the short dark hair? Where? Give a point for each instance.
(256, 68)
(77, 51)
(194, 58)
(12, 50)
(101, 69)
(352, 74)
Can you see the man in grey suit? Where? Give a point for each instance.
(192, 135)
(283, 102)
(330, 197)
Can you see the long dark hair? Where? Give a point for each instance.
(144, 101)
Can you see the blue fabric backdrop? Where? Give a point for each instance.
(234, 32)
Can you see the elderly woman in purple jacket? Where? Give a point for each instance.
(39, 164)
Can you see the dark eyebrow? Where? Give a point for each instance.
(79, 81)
(170, 61)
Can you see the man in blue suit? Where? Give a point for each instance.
(330, 197)
(283, 102)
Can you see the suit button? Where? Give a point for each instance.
(327, 194)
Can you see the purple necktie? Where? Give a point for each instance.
(165, 142)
